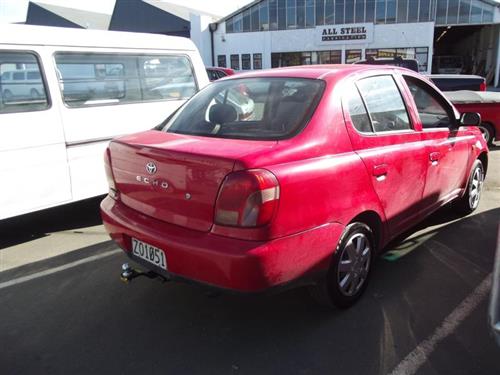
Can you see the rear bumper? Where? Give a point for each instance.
(222, 262)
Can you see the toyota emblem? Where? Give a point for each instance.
(151, 167)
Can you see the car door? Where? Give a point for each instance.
(383, 136)
(449, 147)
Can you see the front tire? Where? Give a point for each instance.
(470, 200)
(349, 272)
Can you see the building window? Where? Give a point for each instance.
(301, 14)
(246, 20)
(291, 22)
(281, 14)
(273, 15)
(330, 12)
(235, 62)
(229, 25)
(245, 61)
(422, 55)
(370, 10)
(352, 56)
(452, 12)
(309, 13)
(390, 16)
(238, 23)
(255, 17)
(264, 16)
(339, 11)
(360, 11)
(402, 13)
(320, 12)
(424, 11)
(349, 11)
(257, 60)
(380, 11)
(330, 57)
(221, 61)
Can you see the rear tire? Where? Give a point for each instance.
(470, 200)
(349, 272)
(488, 133)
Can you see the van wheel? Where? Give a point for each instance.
(349, 272)
(470, 200)
(487, 132)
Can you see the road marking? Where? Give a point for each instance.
(413, 361)
(76, 263)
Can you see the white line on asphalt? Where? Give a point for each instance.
(420, 354)
(50, 271)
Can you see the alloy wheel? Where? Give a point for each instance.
(354, 264)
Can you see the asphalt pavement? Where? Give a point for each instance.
(424, 311)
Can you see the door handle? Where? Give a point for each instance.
(434, 157)
(380, 172)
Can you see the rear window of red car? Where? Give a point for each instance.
(249, 108)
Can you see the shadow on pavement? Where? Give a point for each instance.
(38, 224)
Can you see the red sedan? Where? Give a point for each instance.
(333, 163)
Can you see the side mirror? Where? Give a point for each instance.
(470, 119)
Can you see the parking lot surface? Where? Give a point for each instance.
(424, 311)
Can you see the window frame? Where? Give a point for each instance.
(374, 133)
(139, 76)
(440, 99)
(231, 61)
(41, 68)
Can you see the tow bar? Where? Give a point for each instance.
(128, 274)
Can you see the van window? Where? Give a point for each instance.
(384, 103)
(88, 79)
(21, 86)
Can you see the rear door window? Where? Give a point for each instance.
(250, 108)
(357, 111)
(384, 103)
(18, 94)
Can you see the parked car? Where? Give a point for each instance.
(456, 82)
(338, 161)
(215, 73)
(487, 104)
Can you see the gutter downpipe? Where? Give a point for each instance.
(212, 27)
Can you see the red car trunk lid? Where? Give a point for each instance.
(175, 178)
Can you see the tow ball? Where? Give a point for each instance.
(128, 274)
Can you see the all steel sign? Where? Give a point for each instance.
(345, 34)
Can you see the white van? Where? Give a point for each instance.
(64, 93)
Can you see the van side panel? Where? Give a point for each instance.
(33, 162)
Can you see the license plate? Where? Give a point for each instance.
(149, 253)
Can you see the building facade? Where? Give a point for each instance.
(274, 33)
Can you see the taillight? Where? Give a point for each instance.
(482, 86)
(113, 192)
(247, 199)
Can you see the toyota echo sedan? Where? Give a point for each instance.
(333, 162)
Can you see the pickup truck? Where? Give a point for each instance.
(455, 82)
(486, 103)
